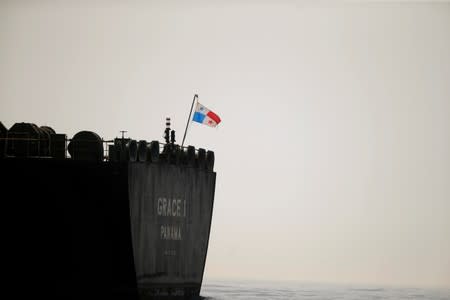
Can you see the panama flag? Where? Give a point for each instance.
(204, 116)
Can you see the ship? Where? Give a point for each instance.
(105, 219)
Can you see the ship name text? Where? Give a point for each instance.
(168, 207)
(175, 209)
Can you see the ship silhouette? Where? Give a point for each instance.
(105, 219)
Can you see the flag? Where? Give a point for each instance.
(205, 116)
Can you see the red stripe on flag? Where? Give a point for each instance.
(213, 116)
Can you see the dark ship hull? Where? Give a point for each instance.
(107, 230)
(171, 210)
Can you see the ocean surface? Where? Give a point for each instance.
(240, 290)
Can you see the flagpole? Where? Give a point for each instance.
(189, 119)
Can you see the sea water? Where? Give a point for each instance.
(240, 290)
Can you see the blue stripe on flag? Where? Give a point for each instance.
(198, 117)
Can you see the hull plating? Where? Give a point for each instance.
(107, 230)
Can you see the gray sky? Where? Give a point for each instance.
(333, 155)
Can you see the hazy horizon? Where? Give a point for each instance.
(332, 157)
